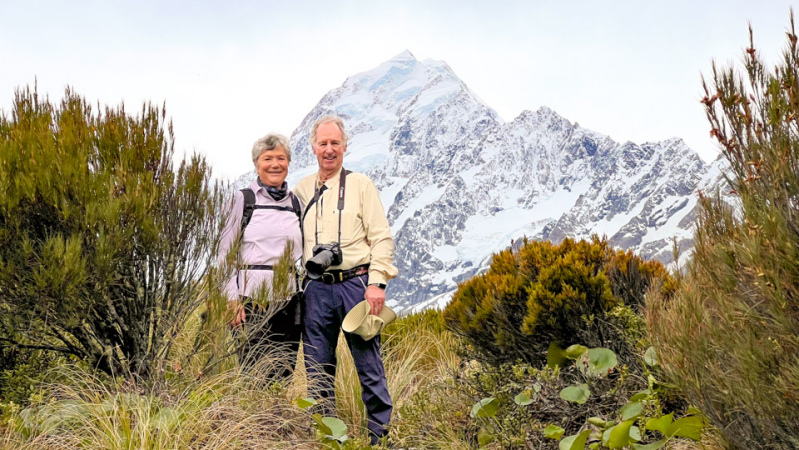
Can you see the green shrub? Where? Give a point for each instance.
(544, 293)
(103, 240)
(730, 336)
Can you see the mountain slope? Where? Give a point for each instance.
(458, 183)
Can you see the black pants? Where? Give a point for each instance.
(271, 343)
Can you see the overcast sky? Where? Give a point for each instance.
(231, 71)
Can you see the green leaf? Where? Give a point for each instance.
(641, 395)
(693, 411)
(631, 410)
(553, 432)
(651, 357)
(484, 437)
(620, 435)
(660, 424)
(555, 356)
(688, 427)
(576, 394)
(305, 403)
(575, 441)
(166, 419)
(575, 351)
(337, 427)
(593, 445)
(600, 361)
(635, 433)
(321, 426)
(652, 446)
(522, 399)
(487, 407)
(598, 422)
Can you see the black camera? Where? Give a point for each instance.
(324, 256)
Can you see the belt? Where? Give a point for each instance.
(340, 276)
(256, 267)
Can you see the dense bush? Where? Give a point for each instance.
(730, 336)
(544, 293)
(102, 237)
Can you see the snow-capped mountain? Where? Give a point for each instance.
(458, 183)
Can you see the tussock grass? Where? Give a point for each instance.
(228, 409)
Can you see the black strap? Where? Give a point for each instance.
(246, 216)
(256, 267)
(295, 204)
(249, 207)
(342, 181)
(316, 195)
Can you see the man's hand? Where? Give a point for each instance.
(239, 316)
(376, 298)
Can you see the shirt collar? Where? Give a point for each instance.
(332, 181)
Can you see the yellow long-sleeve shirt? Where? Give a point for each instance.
(365, 233)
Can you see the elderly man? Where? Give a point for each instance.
(344, 225)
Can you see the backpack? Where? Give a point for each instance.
(250, 207)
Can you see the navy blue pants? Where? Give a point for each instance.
(326, 306)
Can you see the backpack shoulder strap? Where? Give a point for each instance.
(295, 206)
(249, 206)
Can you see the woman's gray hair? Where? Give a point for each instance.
(329, 118)
(270, 142)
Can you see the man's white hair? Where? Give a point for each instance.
(270, 142)
(329, 118)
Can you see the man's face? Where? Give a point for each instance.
(329, 148)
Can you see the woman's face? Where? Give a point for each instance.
(272, 167)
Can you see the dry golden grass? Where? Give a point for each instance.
(225, 410)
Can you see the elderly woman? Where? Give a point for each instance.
(264, 221)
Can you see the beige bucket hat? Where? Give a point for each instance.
(366, 325)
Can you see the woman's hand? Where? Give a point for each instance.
(239, 316)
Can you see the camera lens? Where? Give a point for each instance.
(319, 263)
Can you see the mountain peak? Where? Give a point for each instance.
(404, 55)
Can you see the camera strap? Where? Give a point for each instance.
(342, 182)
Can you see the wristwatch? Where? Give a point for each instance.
(380, 285)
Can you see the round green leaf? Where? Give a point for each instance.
(575, 441)
(631, 410)
(484, 437)
(166, 418)
(576, 394)
(600, 361)
(653, 446)
(688, 427)
(635, 433)
(651, 357)
(522, 399)
(575, 351)
(553, 432)
(660, 424)
(555, 356)
(487, 407)
(337, 427)
(641, 395)
(321, 426)
(620, 435)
